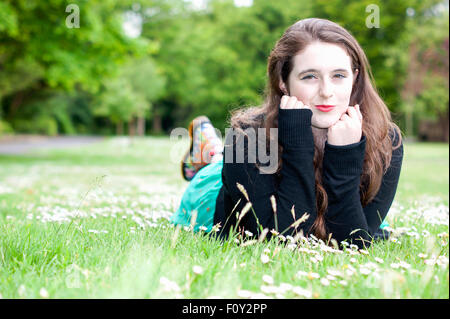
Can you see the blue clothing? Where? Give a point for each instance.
(200, 196)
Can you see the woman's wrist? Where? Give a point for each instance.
(348, 159)
(294, 128)
(346, 147)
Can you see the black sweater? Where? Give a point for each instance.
(295, 185)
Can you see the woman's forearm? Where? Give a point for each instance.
(342, 168)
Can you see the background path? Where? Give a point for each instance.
(22, 144)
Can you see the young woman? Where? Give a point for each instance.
(339, 153)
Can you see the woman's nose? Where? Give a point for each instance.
(326, 89)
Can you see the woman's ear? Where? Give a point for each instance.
(355, 75)
(283, 87)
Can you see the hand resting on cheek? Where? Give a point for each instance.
(348, 129)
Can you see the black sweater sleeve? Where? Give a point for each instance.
(345, 216)
(295, 189)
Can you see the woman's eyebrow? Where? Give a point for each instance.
(317, 71)
(340, 70)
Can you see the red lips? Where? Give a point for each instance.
(325, 108)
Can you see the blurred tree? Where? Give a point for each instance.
(55, 112)
(425, 91)
(119, 102)
(203, 60)
(386, 46)
(129, 96)
(40, 50)
(148, 82)
(215, 59)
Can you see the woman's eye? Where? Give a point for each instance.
(309, 76)
(339, 76)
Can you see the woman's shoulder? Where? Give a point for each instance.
(396, 139)
(395, 135)
(243, 141)
(245, 124)
(250, 117)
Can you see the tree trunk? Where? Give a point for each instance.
(119, 128)
(140, 127)
(131, 127)
(16, 102)
(157, 127)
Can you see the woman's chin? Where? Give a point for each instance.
(322, 123)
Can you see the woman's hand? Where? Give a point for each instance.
(291, 102)
(348, 129)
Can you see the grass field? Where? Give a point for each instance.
(91, 222)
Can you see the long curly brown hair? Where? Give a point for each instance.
(377, 122)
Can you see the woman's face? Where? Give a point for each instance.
(322, 75)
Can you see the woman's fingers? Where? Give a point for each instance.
(351, 111)
(300, 105)
(288, 102)
(359, 112)
(344, 117)
(291, 102)
(304, 106)
(348, 129)
(284, 100)
(355, 113)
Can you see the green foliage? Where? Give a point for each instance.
(214, 60)
(67, 56)
(433, 100)
(131, 93)
(54, 112)
(5, 128)
(40, 124)
(118, 101)
(189, 62)
(146, 80)
(39, 51)
(432, 40)
(8, 19)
